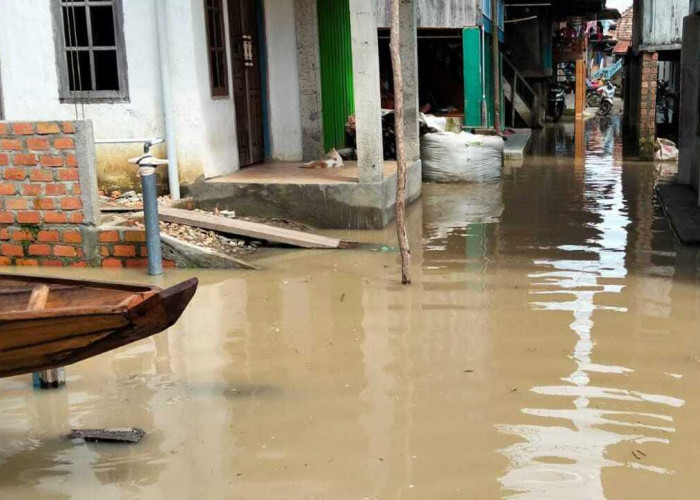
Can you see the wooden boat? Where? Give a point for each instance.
(47, 323)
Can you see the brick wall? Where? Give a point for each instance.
(49, 205)
(647, 104)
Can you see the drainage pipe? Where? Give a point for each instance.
(166, 93)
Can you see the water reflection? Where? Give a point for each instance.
(567, 461)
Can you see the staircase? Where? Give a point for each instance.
(521, 95)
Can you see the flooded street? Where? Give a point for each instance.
(548, 349)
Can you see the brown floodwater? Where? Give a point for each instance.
(548, 349)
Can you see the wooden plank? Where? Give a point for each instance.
(251, 229)
(37, 300)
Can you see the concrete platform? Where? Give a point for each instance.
(323, 198)
(517, 144)
(680, 204)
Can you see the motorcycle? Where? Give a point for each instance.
(607, 95)
(593, 96)
(556, 101)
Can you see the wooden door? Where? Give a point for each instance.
(247, 79)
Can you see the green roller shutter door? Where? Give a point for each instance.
(336, 70)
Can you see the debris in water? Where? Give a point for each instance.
(116, 435)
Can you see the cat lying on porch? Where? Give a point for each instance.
(331, 160)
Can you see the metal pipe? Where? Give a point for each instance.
(150, 215)
(152, 140)
(164, 56)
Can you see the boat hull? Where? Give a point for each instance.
(31, 341)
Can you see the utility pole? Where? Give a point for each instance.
(496, 61)
(400, 144)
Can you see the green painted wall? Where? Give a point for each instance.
(336, 70)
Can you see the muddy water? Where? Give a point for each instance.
(548, 349)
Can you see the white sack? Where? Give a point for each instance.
(462, 157)
(667, 150)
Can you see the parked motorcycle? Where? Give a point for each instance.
(593, 97)
(556, 101)
(607, 94)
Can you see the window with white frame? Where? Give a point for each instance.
(90, 50)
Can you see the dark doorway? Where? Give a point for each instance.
(247, 79)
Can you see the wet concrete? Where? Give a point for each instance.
(548, 349)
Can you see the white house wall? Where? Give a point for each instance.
(283, 81)
(206, 136)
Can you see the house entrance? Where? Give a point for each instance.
(247, 79)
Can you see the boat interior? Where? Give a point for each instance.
(21, 294)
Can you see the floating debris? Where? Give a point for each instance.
(116, 435)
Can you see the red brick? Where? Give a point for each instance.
(81, 263)
(4, 234)
(109, 236)
(68, 127)
(28, 217)
(26, 262)
(41, 175)
(15, 174)
(16, 204)
(40, 249)
(55, 218)
(64, 251)
(10, 145)
(76, 188)
(68, 174)
(11, 250)
(124, 251)
(47, 128)
(71, 161)
(51, 161)
(169, 263)
(112, 263)
(104, 251)
(75, 218)
(51, 263)
(55, 189)
(71, 203)
(47, 236)
(37, 143)
(4, 159)
(22, 128)
(5, 261)
(3, 129)
(135, 236)
(20, 235)
(44, 204)
(137, 263)
(72, 237)
(143, 251)
(6, 218)
(24, 159)
(31, 189)
(63, 143)
(7, 189)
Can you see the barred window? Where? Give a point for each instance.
(216, 47)
(90, 49)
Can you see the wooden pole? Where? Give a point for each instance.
(496, 61)
(400, 144)
(580, 87)
(54, 377)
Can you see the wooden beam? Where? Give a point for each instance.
(250, 229)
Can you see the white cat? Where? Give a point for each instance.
(331, 160)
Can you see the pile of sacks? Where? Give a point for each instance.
(450, 157)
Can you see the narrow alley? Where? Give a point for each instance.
(547, 349)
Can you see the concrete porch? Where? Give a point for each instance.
(324, 198)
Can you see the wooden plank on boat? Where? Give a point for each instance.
(53, 377)
(251, 229)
